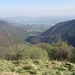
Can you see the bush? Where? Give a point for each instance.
(38, 53)
(72, 59)
(63, 53)
(51, 49)
(58, 51)
(43, 51)
(24, 51)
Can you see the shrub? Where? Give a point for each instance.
(38, 53)
(24, 51)
(58, 51)
(72, 59)
(51, 49)
(63, 53)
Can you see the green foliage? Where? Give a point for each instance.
(51, 50)
(29, 67)
(23, 51)
(73, 56)
(69, 66)
(58, 51)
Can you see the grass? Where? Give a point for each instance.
(36, 67)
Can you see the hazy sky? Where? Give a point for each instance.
(36, 7)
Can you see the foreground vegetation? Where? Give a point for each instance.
(36, 67)
(60, 51)
(40, 59)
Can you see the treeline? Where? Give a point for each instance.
(59, 51)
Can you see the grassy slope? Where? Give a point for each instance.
(6, 40)
(36, 67)
(10, 34)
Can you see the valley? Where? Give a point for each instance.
(63, 31)
(37, 37)
(30, 50)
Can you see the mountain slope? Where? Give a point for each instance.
(10, 34)
(61, 29)
(64, 31)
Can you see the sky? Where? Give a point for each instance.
(10, 8)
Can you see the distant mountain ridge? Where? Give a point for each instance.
(64, 31)
(39, 19)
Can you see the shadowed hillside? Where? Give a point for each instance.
(62, 31)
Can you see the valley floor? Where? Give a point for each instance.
(36, 67)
